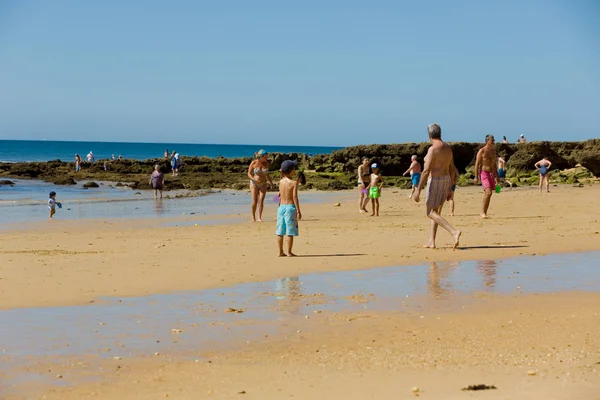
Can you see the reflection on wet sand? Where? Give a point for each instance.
(438, 273)
(159, 207)
(289, 293)
(487, 268)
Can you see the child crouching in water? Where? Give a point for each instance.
(374, 189)
(288, 213)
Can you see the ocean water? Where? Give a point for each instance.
(26, 202)
(30, 150)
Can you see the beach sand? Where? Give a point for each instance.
(493, 340)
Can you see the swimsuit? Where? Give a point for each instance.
(255, 172)
(437, 191)
(501, 173)
(287, 224)
(415, 178)
(543, 170)
(487, 180)
(374, 192)
(51, 204)
(157, 179)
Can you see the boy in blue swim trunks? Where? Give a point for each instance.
(374, 189)
(288, 213)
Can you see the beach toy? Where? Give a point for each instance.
(276, 199)
(59, 205)
(498, 187)
(364, 191)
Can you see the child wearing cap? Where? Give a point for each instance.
(52, 203)
(288, 213)
(374, 189)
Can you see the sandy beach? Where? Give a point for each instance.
(524, 344)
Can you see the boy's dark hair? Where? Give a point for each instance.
(52, 194)
(301, 178)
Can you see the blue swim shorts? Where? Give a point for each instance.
(416, 178)
(287, 222)
(501, 173)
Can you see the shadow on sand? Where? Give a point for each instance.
(489, 247)
(331, 255)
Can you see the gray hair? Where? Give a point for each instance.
(435, 132)
(157, 167)
(414, 157)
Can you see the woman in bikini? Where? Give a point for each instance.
(364, 177)
(544, 166)
(260, 181)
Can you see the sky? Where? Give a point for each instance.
(310, 72)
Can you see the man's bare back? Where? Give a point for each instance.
(501, 163)
(440, 159)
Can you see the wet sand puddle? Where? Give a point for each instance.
(186, 323)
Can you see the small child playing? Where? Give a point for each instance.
(52, 203)
(374, 189)
(288, 213)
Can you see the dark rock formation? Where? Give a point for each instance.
(90, 185)
(6, 183)
(65, 180)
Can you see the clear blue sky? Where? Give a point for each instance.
(308, 72)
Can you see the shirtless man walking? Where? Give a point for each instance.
(415, 174)
(439, 173)
(486, 169)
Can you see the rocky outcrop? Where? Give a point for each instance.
(325, 172)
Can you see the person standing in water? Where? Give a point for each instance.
(415, 174)
(363, 181)
(543, 166)
(438, 173)
(260, 182)
(487, 170)
(157, 181)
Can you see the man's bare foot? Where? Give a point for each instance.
(457, 239)
(292, 255)
(484, 216)
(372, 215)
(429, 246)
(452, 214)
(259, 220)
(281, 255)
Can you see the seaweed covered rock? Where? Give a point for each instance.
(64, 180)
(6, 183)
(88, 185)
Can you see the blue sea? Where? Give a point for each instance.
(34, 150)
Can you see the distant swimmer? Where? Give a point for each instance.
(364, 175)
(438, 172)
(486, 169)
(157, 181)
(415, 174)
(543, 166)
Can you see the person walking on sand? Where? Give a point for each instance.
(52, 203)
(438, 172)
(487, 170)
(288, 213)
(374, 189)
(501, 169)
(157, 181)
(452, 190)
(415, 174)
(260, 181)
(543, 166)
(363, 181)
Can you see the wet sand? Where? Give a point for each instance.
(72, 262)
(528, 345)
